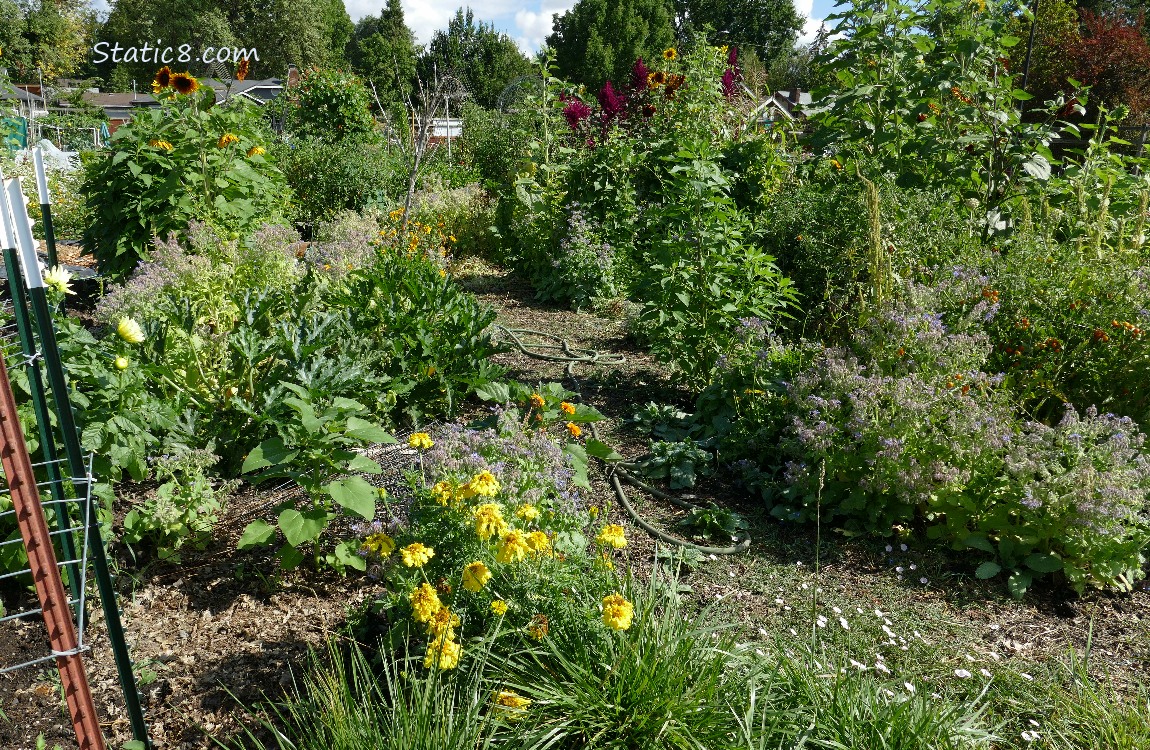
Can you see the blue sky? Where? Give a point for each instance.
(527, 21)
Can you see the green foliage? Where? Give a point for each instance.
(678, 462)
(215, 170)
(485, 60)
(331, 106)
(768, 26)
(346, 702)
(313, 445)
(329, 178)
(665, 682)
(382, 50)
(182, 510)
(596, 40)
(921, 90)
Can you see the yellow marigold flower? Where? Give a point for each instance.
(130, 331)
(256, 151)
(538, 542)
(537, 401)
(612, 535)
(499, 607)
(489, 521)
(443, 652)
(415, 555)
(574, 429)
(122, 363)
(420, 440)
(380, 544)
(514, 547)
(527, 512)
(443, 621)
(58, 278)
(670, 53)
(424, 603)
(510, 705)
(185, 83)
(443, 493)
(475, 576)
(567, 408)
(617, 612)
(226, 140)
(484, 483)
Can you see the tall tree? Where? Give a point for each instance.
(51, 35)
(598, 40)
(1113, 58)
(1055, 33)
(383, 51)
(485, 59)
(769, 26)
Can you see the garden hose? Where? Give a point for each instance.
(576, 356)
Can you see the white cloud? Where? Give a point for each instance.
(534, 27)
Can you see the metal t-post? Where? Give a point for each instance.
(44, 425)
(70, 434)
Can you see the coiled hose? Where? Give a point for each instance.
(616, 475)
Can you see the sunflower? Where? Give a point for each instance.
(256, 151)
(670, 53)
(226, 140)
(660, 78)
(185, 83)
(162, 80)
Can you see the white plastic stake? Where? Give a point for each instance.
(7, 236)
(41, 178)
(17, 209)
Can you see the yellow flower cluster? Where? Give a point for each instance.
(509, 705)
(612, 535)
(513, 548)
(420, 441)
(617, 612)
(443, 652)
(475, 576)
(427, 609)
(432, 241)
(415, 555)
(489, 521)
(379, 544)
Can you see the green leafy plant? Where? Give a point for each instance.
(679, 462)
(182, 510)
(187, 159)
(313, 449)
(331, 105)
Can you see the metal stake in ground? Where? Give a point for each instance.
(45, 572)
(70, 436)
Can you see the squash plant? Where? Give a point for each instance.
(315, 448)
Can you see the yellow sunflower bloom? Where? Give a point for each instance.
(670, 53)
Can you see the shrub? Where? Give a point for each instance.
(327, 178)
(185, 160)
(331, 106)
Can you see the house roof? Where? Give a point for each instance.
(10, 92)
(259, 91)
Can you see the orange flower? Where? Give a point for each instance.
(243, 69)
(574, 429)
(185, 83)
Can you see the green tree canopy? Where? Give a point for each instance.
(769, 26)
(485, 60)
(383, 51)
(52, 35)
(599, 40)
(1050, 65)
